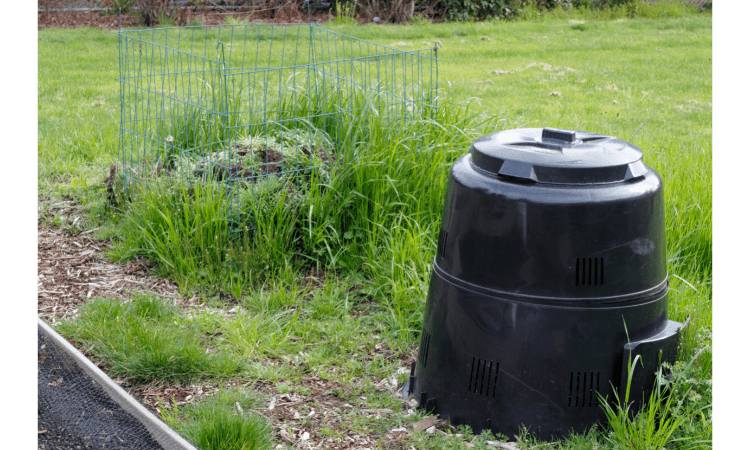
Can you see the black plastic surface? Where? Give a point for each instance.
(551, 244)
(557, 156)
(648, 352)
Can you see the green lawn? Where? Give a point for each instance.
(353, 326)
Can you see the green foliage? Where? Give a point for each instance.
(369, 225)
(651, 428)
(117, 6)
(182, 225)
(161, 12)
(239, 20)
(225, 421)
(345, 13)
(470, 10)
(147, 340)
(227, 431)
(693, 389)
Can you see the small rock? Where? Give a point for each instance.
(296, 415)
(430, 430)
(305, 436)
(504, 445)
(399, 430)
(376, 19)
(425, 423)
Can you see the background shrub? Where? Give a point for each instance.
(464, 10)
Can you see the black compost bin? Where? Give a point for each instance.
(550, 272)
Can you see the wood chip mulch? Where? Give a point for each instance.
(74, 268)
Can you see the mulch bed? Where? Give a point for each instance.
(73, 269)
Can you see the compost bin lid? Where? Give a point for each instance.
(550, 155)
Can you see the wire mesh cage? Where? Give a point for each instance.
(254, 107)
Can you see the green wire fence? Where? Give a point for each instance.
(252, 107)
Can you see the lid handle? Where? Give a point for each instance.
(558, 135)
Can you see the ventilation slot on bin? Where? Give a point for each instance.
(589, 271)
(424, 347)
(483, 376)
(442, 238)
(583, 389)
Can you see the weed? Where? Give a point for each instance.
(345, 13)
(651, 428)
(238, 20)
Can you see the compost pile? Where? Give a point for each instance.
(74, 412)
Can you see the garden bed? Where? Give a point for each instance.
(326, 314)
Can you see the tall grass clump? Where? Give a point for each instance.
(689, 236)
(677, 412)
(147, 340)
(388, 169)
(180, 225)
(650, 428)
(225, 421)
(383, 212)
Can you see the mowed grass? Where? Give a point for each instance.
(374, 234)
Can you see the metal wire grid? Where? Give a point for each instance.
(241, 104)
